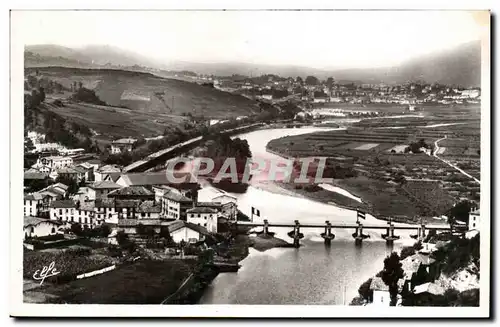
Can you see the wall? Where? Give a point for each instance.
(207, 220)
(41, 229)
(185, 234)
(381, 298)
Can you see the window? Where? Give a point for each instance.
(473, 225)
(60, 211)
(149, 215)
(198, 215)
(79, 212)
(67, 210)
(143, 214)
(86, 220)
(53, 230)
(79, 220)
(205, 225)
(32, 230)
(205, 217)
(72, 219)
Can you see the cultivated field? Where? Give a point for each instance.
(398, 183)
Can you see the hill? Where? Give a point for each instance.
(137, 103)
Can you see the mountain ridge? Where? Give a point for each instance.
(460, 65)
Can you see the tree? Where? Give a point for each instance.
(104, 230)
(311, 80)
(299, 80)
(165, 234)
(329, 82)
(391, 274)
(364, 290)
(76, 229)
(460, 212)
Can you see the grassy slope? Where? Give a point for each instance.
(183, 97)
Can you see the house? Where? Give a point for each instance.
(87, 170)
(68, 173)
(229, 205)
(37, 227)
(103, 188)
(33, 177)
(84, 193)
(62, 210)
(105, 211)
(55, 191)
(108, 172)
(122, 145)
(54, 162)
(74, 212)
(203, 216)
(149, 209)
(175, 204)
(184, 231)
(474, 221)
(32, 204)
(132, 193)
(381, 295)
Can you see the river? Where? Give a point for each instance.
(312, 274)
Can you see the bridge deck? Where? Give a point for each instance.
(250, 224)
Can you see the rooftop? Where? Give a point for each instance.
(34, 175)
(201, 210)
(109, 169)
(378, 285)
(104, 203)
(149, 206)
(175, 195)
(156, 178)
(33, 221)
(428, 288)
(125, 141)
(131, 191)
(178, 224)
(105, 185)
(67, 170)
(63, 204)
(33, 197)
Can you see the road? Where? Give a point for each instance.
(449, 163)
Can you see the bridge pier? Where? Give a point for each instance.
(358, 234)
(296, 234)
(389, 236)
(266, 227)
(327, 235)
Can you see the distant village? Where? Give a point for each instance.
(314, 91)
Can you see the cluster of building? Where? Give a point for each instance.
(275, 88)
(126, 202)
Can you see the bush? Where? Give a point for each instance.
(407, 251)
(364, 290)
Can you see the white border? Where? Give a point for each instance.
(18, 308)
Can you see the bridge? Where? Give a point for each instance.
(358, 235)
(158, 159)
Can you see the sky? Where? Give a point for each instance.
(318, 39)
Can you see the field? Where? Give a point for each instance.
(153, 103)
(143, 282)
(398, 183)
(113, 122)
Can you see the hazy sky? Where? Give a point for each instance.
(318, 39)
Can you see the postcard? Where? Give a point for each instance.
(250, 163)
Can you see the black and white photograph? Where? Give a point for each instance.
(188, 163)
